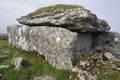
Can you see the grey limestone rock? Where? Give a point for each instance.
(55, 44)
(4, 66)
(73, 19)
(61, 47)
(108, 41)
(17, 62)
(109, 56)
(44, 77)
(81, 74)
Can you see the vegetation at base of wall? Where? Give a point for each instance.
(52, 8)
(37, 67)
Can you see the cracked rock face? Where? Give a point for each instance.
(55, 44)
(72, 19)
(108, 41)
(60, 46)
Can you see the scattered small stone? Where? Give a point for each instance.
(4, 51)
(17, 62)
(84, 63)
(82, 75)
(114, 67)
(75, 69)
(0, 75)
(44, 77)
(3, 56)
(104, 74)
(4, 66)
(109, 56)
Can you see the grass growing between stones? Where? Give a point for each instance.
(113, 75)
(52, 8)
(37, 67)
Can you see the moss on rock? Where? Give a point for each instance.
(52, 8)
(104, 23)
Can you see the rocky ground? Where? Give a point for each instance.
(20, 65)
(99, 65)
(96, 66)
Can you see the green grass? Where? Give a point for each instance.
(3, 37)
(52, 8)
(37, 67)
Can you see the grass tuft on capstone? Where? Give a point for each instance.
(52, 8)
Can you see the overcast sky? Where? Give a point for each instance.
(104, 9)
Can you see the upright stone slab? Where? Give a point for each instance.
(56, 44)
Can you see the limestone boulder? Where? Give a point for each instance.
(55, 44)
(73, 19)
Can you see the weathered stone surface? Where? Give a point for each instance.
(79, 74)
(55, 44)
(91, 65)
(73, 19)
(109, 56)
(60, 46)
(17, 62)
(44, 77)
(114, 67)
(3, 66)
(108, 41)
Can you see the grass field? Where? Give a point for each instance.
(36, 68)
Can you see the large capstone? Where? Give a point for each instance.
(73, 19)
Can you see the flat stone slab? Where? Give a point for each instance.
(73, 19)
